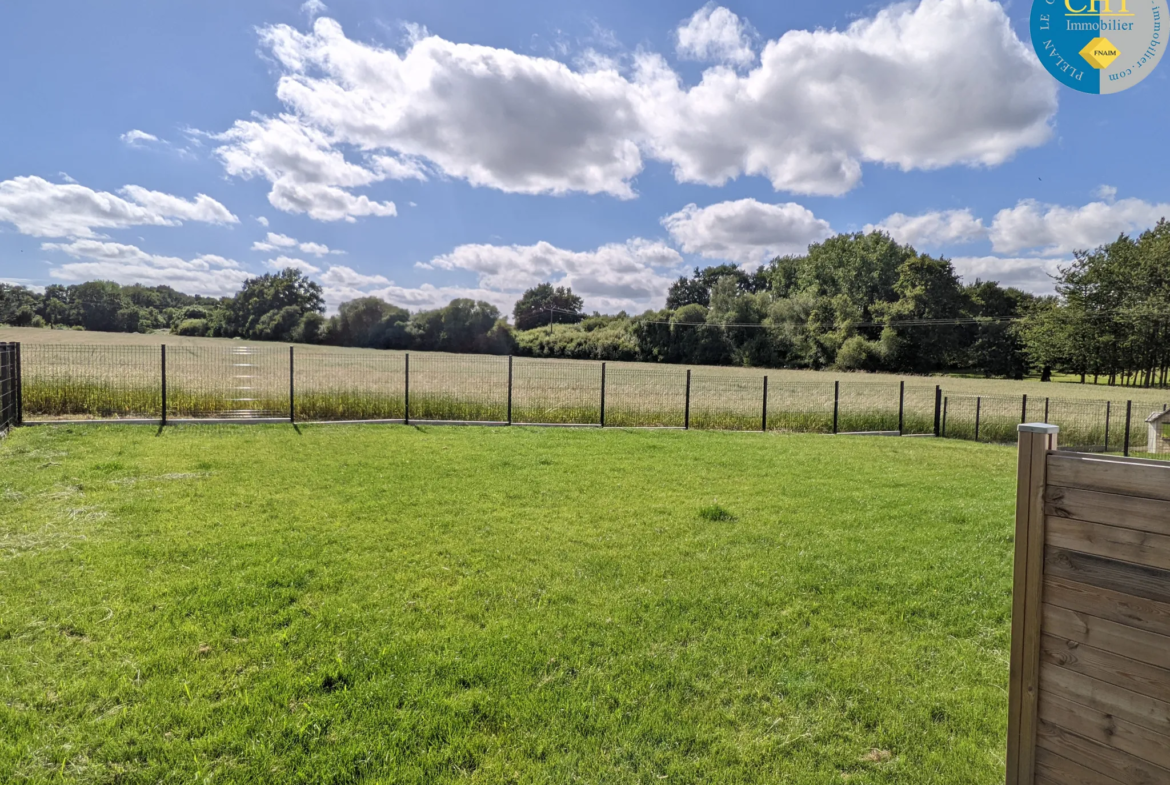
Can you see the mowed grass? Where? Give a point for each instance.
(389, 604)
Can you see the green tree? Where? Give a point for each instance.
(266, 294)
(542, 305)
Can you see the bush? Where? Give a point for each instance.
(858, 354)
(198, 327)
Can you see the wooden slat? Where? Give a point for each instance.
(1129, 478)
(1105, 760)
(1147, 647)
(1107, 604)
(1147, 582)
(1130, 512)
(1141, 743)
(1107, 698)
(1053, 769)
(1132, 675)
(1110, 542)
(1027, 608)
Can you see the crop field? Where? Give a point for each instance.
(334, 603)
(215, 378)
(958, 385)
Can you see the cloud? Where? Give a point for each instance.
(347, 276)
(307, 173)
(1052, 230)
(313, 7)
(747, 232)
(936, 228)
(918, 86)
(283, 262)
(1106, 193)
(425, 297)
(135, 137)
(715, 35)
(1027, 273)
(43, 209)
(620, 276)
(275, 242)
(65, 176)
(262, 221)
(99, 260)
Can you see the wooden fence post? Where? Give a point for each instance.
(1036, 441)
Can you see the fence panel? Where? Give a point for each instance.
(458, 388)
(867, 406)
(556, 392)
(727, 403)
(235, 382)
(647, 398)
(803, 407)
(918, 415)
(342, 386)
(1089, 688)
(109, 382)
(1082, 425)
(8, 387)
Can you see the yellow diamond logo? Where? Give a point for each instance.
(1100, 53)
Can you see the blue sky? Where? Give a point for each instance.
(421, 151)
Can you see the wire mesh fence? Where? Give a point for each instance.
(9, 386)
(556, 392)
(243, 382)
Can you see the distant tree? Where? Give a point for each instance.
(542, 305)
(462, 326)
(273, 292)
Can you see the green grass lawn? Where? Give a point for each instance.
(383, 604)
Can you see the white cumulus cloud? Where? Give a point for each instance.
(1052, 230)
(275, 242)
(715, 34)
(283, 262)
(746, 231)
(1027, 273)
(619, 276)
(940, 227)
(42, 209)
(307, 173)
(127, 264)
(917, 85)
(136, 137)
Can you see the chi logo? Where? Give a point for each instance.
(1099, 46)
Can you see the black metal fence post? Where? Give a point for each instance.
(1024, 413)
(163, 360)
(1128, 419)
(687, 411)
(603, 395)
(836, 404)
(1108, 411)
(938, 407)
(944, 417)
(901, 407)
(509, 389)
(764, 418)
(978, 411)
(406, 374)
(292, 417)
(19, 388)
(1045, 411)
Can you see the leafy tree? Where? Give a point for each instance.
(542, 305)
(266, 294)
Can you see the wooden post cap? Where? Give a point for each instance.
(1038, 427)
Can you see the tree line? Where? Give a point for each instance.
(856, 302)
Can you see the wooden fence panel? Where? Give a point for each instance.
(1089, 695)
